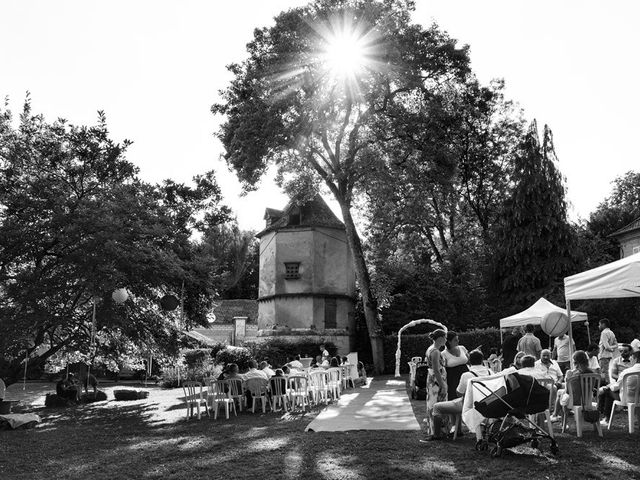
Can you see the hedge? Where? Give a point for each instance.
(416, 346)
(276, 350)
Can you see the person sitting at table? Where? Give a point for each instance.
(321, 362)
(231, 372)
(454, 407)
(517, 360)
(334, 363)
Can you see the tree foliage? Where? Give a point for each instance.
(285, 106)
(535, 247)
(76, 223)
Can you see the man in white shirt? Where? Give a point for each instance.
(608, 395)
(295, 363)
(454, 407)
(550, 368)
(266, 368)
(608, 347)
(254, 372)
(561, 351)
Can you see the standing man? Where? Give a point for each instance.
(608, 345)
(324, 353)
(530, 344)
(561, 351)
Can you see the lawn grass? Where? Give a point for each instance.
(151, 438)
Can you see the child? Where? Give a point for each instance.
(494, 359)
(592, 353)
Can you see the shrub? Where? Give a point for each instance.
(276, 350)
(123, 395)
(196, 356)
(90, 397)
(54, 401)
(230, 354)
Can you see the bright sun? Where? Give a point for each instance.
(345, 54)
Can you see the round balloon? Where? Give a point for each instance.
(169, 302)
(120, 295)
(555, 323)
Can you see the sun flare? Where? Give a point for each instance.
(345, 55)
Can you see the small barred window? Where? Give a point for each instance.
(292, 270)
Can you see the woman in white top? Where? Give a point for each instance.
(455, 358)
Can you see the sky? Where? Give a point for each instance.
(156, 67)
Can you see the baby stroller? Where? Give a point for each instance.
(419, 387)
(509, 406)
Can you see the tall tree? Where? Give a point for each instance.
(329, 93)
(75, 224)
(534, 244)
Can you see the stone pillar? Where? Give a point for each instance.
(240, 331)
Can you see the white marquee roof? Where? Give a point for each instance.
(614, 280)
(536, 312)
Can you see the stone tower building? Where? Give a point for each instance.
(307, 280)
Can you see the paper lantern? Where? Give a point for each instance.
(120, 295)
(169, 302)
(555, 324)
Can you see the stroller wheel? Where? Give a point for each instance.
(482, 445)
(535, 443)
(496, 452)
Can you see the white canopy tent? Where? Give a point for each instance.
(619, 279)
(535, 313)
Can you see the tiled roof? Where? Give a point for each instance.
(635, 225)
(227, 309)
(313, 213)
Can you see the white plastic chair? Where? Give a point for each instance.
(626, 400)
(319, 386)
(219, 394)
(334, 382)
(278, 390)
(258, 389)
(589, 383)
(299, 391)
(193, 398)
(236, 391)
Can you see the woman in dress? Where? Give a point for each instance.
(456, 358)
(436, 377)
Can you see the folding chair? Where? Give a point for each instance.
(626, 400)
(236, 391)
(193, 398)
(319, 386)
(334, 382)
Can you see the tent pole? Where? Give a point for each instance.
(588, 332)
(500, 337)
(570, 333)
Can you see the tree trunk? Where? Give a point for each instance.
(369, 302)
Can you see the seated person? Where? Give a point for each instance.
(321, 362)
(294, 362)
(441, 410)
(68, 388)
(592, 354)
(231, 372)
(279, 378)
(345, 361)
(285, 370)
(334, 363)
(550, 368)
(266, 368)
(493, 359)
(581, 366)
(517, 360)
(607, 395)
(362, 375)
(253, 371)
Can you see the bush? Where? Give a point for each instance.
(123, 395)
(196, 356)
(276, 350)
(54, 401)
(90, 397)
(230, 354)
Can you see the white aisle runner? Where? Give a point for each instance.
(383, 405)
